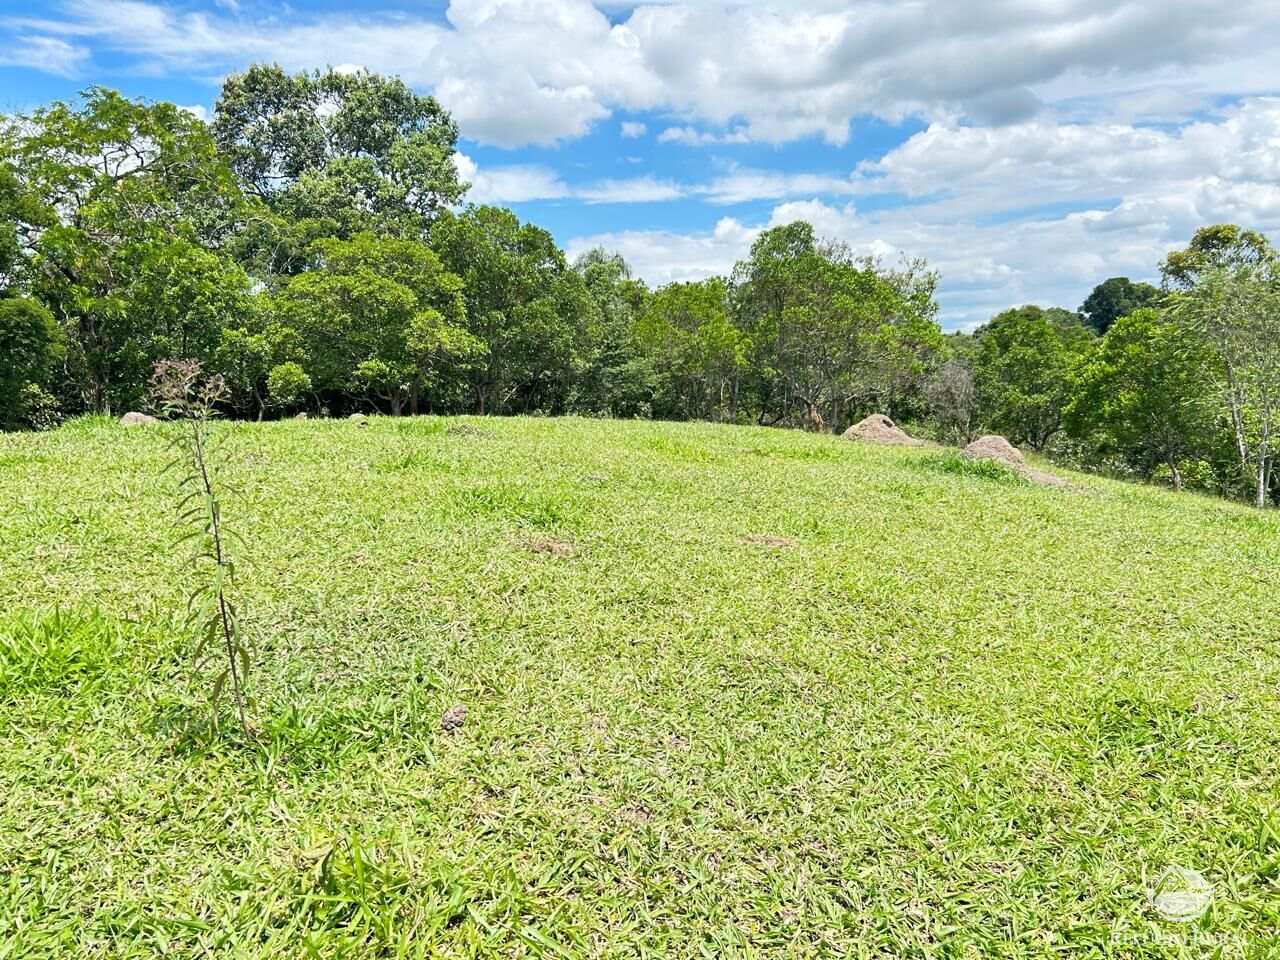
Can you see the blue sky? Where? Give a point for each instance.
(1027, 149)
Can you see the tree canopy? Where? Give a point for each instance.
(1116, 298)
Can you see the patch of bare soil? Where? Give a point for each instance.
(769, 542)
(552, 547)
(637, 816)
(878, 428)
(1050, 480)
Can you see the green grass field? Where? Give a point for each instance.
(732, 692)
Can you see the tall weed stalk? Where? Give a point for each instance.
(181, 392)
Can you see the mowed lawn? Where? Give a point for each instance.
(732, 692)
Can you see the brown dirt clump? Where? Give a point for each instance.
(992, 447)
(878, 428)
(770, 542)
(553, 548)
(454, 717)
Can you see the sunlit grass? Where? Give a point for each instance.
(731, 692)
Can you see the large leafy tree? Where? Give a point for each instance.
(526, 305)
(1227, 291)
(260, 360)
(123, 209)
(830, 330)
(700, 357)
(335, 153)
(1115, 298)
(1143, 394)
(378, 318)
(1023, 367)
(613, 377)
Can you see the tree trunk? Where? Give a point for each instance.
(812, 417)
(1263, 475)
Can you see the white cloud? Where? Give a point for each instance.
(741, 185)
(1034, 212)
(520, 183)
(538, 71)
(631, 129)
(665, 257)
(1043, 162)
(516, 183)
(693, 137)
(632, 190)
(44, 53)
(199, 111)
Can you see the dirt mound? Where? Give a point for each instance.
(878, 428)
(1002, 451)
(992, 447)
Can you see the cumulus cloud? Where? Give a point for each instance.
(538, 71)
(984, 268)
(631, 129)
(1032, 212)
(199, 111)
(1045, 162)
(513, 183)
(666, 256)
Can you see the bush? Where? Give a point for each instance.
(287, 383)
(30, 343)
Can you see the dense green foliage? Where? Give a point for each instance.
(336, 153)
(1144, 393)
(30, 345)
(1115, 298)
(311, 246)
(1023, 365)
(951, 714)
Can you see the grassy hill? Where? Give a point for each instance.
(731, 692)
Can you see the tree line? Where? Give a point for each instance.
(311, 244)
